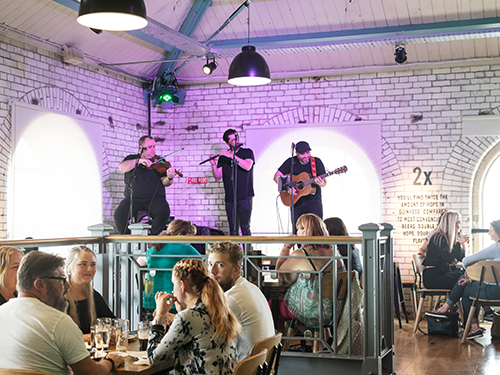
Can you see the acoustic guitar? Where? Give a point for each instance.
(302, 183)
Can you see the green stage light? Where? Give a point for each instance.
(165, 97)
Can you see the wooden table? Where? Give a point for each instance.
(131, 369)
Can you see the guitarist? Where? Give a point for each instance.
(304, 162)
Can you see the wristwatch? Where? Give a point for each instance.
(112, 362)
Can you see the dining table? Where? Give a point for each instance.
(130, 369)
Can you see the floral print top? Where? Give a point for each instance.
(190, 340)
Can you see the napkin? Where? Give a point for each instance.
(140, 355)
(141, 362)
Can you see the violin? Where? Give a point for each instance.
(161, 165)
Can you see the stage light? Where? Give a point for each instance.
(117, 15)
(208, 68)
(400, 54)
(248, 68)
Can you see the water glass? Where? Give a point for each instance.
(121, 339)
(143, 335)
(103, 335)
(93, 336)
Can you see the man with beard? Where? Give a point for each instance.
(313, 167)
(245, 300)
(37, 334)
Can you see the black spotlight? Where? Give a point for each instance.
(400, 54)
(208, 68)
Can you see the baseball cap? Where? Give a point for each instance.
(302, 147)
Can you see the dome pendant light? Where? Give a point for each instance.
(114, 15)
(248, 68)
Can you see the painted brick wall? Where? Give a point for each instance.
(431, 143)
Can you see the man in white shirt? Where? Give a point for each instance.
(37, 334)
(244, 298)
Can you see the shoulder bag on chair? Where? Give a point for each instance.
(495, 327)
(439, 326)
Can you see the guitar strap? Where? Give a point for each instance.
(313, 167)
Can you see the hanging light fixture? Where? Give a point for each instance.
(208, 68)
(113, 15)
(400, 53)
(248, 68)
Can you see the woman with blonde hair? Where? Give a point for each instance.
(444, 248)
(202, 335)
(85, 303)
(10, 259)
(162, 280)
(302, 298)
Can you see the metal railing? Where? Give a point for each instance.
(119, 281)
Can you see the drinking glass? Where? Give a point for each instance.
(143, 334)
(121, 339)
(103, 335)
(125, 327)
(93, 334)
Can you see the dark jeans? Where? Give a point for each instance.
(159, 212)
(308, 205)
(243, 215)
(488, 291)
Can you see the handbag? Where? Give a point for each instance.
(446, 327)
(495, 327)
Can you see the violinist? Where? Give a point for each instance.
(236, 172)
(144, 188)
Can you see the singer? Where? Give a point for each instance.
(313, 167)
(236, 171)
(144, 188)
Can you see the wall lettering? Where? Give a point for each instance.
(427, 175)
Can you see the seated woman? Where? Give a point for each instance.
(10, 258)
(85, 303)
(336, 227)
(465, 288)
(162, 280)
(202, 335)
(443, 250)
(302, 298)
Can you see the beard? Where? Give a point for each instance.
(226, 284)
(54, 300)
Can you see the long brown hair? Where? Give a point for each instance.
(6, 253)
(313, 226)
(194, 272)
(73, 257)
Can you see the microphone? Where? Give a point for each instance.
(142, 150)
(293, 146)
(479, 230)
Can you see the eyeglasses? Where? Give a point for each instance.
(55, 278)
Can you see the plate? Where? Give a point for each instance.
(131, 337)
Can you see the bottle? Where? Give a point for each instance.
(148, 290)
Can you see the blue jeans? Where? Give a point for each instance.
(488, 291)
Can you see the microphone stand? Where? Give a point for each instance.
(131, 191)
(292, 186)
(234, 165)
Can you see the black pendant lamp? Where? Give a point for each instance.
(114, 15)
(248, 68)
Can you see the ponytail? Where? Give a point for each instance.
(194, 272)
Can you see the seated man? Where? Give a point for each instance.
(37, 334)
(245, 300)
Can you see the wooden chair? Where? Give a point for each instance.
(25, 372)
(274, 347)
(253, 365)
(486, 271)
(418, 269)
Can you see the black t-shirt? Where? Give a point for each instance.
(244, 178)
(147, 182)
(299, 168)
(101, 309)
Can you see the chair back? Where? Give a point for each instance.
(340, 289)
(250, 365)
(418, 268)
(271, 344)
(24, 372)
(490, 269)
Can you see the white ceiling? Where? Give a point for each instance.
(296, 37)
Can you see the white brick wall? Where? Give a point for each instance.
(441, 96)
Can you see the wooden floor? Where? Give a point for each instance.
(418, 354)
